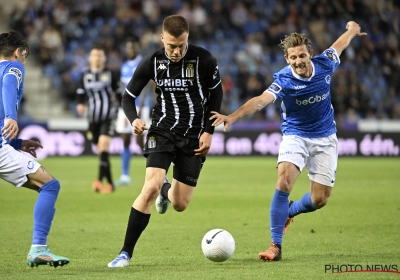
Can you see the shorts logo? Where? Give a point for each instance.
(30, 165)
(151, 144)
(286, 153)
(191, 179)
(275, 88)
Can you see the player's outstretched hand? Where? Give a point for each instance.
(351, 25)
(139, 126)
(219, 118)
(10, 129)
(30, 146)
(204, 144)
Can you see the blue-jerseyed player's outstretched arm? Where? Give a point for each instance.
(251, 106)
(353, 30)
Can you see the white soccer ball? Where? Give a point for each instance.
(218, 245)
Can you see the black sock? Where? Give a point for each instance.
(105, 167)
(137, 222)
(164, 190)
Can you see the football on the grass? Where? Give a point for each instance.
(218, 245)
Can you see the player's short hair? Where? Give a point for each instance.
(98, 46)
(10, 41)
(295, 40)
(175, 25)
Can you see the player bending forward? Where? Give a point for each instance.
(308, 127)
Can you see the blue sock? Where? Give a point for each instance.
(279, 211)
(304, 205)
(44, 210)
(126, 157)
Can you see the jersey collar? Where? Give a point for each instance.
(301, 78)
(187, 46)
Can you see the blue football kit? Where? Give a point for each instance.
(306, 108)
(12, 86)
(127, 70)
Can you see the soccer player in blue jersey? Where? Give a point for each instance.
(308, 127)
(16, 167)
(123, 126)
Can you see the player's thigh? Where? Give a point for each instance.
(187, 168)
(39, 178)
(322, 163)
(162, 146)
(180, 192)
(93, 132)
(103, 144)
(293, 149)
(15, 166)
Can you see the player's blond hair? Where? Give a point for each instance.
(295, 40)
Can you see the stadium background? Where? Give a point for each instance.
(243, 36)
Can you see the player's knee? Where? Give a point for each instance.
(320, 202)
(283, 185)
(51, 186)
(150, 190)
(150, 193)
(180, 206)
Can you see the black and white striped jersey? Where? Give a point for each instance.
(98, 90)
(183, 88)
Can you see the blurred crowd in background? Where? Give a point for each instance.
(242, 34)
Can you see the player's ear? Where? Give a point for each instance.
(15, 53)
(286, 58)
(311, 53)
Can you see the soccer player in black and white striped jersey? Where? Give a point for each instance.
(188, 88)
(96, 98)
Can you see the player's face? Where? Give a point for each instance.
(130, 50)
(97, 59)
(299, 59)
(175, 47)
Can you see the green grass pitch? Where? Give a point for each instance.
(360, 224)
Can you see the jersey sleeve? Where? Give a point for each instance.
(12, 83)
(331, 58)
(141, 77)
(213, 77)
(80, 91)
(276, 89)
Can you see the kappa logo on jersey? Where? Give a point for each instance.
(331, 55)
(17, 73)
(162, 67)
(328, 79)
(275, 88)
(299, 88)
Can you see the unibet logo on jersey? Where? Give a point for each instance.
(312, 99)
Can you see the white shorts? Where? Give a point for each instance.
(16, 165)
(123, 125)
(318, 155)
